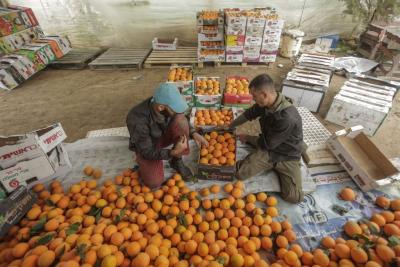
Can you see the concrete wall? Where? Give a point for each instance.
(134, 23)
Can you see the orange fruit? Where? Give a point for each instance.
(385, 253)
(378, 219)
(290, 257)
(19, 250)
(358, 255)
(351, 228)
(382, 202)
(347, 194)
(321, 259)
(236, 260)
(281, 241)
(328, 242)
(342, 251)
(395, 205)
(88, 171)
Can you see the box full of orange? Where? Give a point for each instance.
(237, 92)
(217, 161)
(212, 118)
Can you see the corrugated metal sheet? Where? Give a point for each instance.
(135, 23)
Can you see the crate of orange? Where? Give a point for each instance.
(207, 92)
(237, 92)
(218, 160)
(212, 118)
(182, 78)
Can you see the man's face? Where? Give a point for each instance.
(261, 97)
(166, 111)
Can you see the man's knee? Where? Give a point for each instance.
(152, 181)
(293, 195)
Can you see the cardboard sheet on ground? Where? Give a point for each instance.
(317, 216)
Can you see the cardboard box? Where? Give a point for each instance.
(268, 57)
(238, 50)
(63, 42)
(234, 57)
(27, 66)
(253, 41)
(53, 45)
(210, 37)
(46, 50)
(270, 39)
(237, 29)
(255, 31)
(164, 44)
(237, 100)
(11, 21)
(13, 69)
(235, 112)
(14, 207)
(256, 22)
(14, 41)
(304, 94)
(270, 48)
(211, 45)
(219, 20)
(7, 81)
(217, 55)
(35, 54)
(363, 101)
(210, 29)
(232, 21)
(274, 24)
(214, 172)
(366, 164)
(14, 149)
(234, 40)
(207, 100)
(185, 87)
(28, 12)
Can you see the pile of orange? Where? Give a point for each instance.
(207, 86)
(180, 74)
(220, 151)
(122, 223)
(237, 86)
(209, 14)
(211, 117)
(211, 43)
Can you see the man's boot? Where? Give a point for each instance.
(178, 165)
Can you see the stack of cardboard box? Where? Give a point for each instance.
(235, 33)
(24, 48)
(252, 35)
(271, 36)
(210, 31)
(32, 157)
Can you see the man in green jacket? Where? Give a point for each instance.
(280, 144)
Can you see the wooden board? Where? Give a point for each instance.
(120, 58)
(77, 58)
(182, 55)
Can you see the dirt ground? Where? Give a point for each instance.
(85, 100)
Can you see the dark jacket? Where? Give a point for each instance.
(145, 128)
(281, 129)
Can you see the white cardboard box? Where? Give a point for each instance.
(364, 101)
(253, 41)
(234, 57)
(236, 29)
(365, 163)
(268, 57)
(31, 171)
(304, 95)
(14, 149)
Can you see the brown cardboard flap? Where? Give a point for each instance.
(375, 154)
(361, 158)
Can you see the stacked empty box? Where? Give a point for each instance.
(210, 33)
(252, 35)
(24, 48)
(271, 37)
(364, 101)
(306, 86)
(307, 83)
(235, 33)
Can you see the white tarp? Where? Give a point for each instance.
(135, 22)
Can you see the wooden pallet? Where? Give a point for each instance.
(77, 58)
(120, 58)
(182, 55)
(233, 64)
